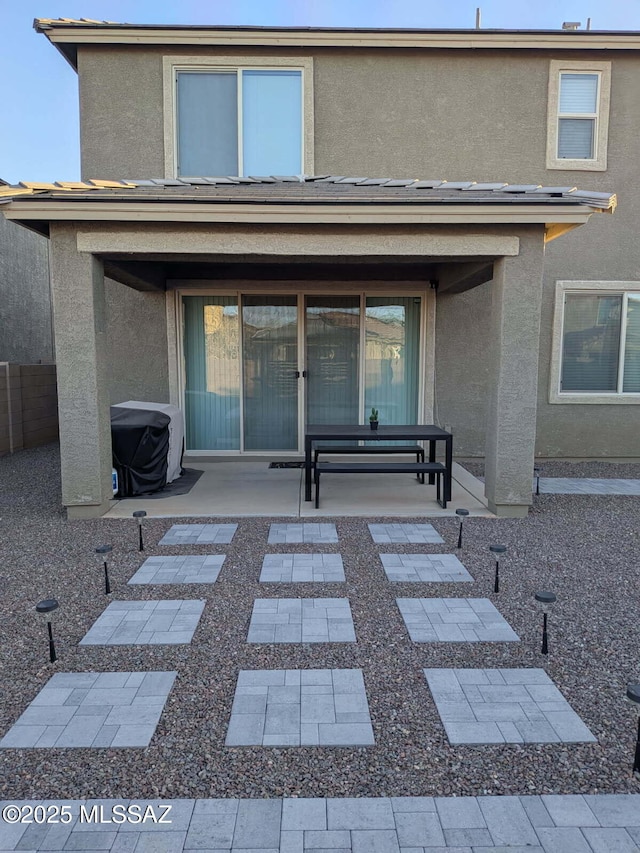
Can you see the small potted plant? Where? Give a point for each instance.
(373, 419)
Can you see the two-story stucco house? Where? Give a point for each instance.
(278, 226)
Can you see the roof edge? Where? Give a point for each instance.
(67, 34)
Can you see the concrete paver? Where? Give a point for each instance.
(424, 568)
(454, 620)
(356, 825)
(301, 620)
(386, 534)
(302, 568)
(93, 709)
(190, 568)
(166, 622)
(306, 532)
(504, 706)
(309, 707)
(199, 534)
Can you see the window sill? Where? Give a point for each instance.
(577, 165)
(600, 399)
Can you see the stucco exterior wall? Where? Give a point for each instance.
(431, 114)
(136, 344)
(25, 299)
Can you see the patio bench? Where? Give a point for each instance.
(418, 468)
(373, 449)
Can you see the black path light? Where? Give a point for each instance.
(140, 514)
(46, 608)
(536, 474)
(498, 551)
(462, 514)
(546, 600)
(102, 552)
(633, 695)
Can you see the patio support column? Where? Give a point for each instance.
(514, 336)
(77, 284)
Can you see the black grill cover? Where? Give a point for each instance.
(140, 441)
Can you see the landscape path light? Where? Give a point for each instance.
(462, 514)
(46, 608)
(498, 551)
(546, 600)
(536, 474)
(140, 514)
(102, 552)
(633, 696)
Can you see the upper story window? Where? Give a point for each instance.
(238, 116)
(578, 115)
(597, 342)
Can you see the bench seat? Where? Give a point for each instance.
(370, 449)
(418, 468)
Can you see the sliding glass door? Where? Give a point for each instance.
(258, 367)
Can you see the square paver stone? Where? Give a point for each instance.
(192, 568)
(301, 620)
(137, 623)
(404, 534)
(504, 706)
(289, 534)
(426, 568)
(199, 534)
(302, 568)
(308, 707)
(97, 709)
(454, 620)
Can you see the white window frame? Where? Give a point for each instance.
(598, 163)
(611, 288)
(173, 64)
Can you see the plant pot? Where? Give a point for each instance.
(373, 424)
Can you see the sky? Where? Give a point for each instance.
(39, 137)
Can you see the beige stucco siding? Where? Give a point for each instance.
(137, 344)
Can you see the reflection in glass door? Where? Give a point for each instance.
(270, 372)
(332, 345)
(392, 346)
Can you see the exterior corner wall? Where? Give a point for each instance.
(137, 355)
(81, 356)
(28, 406)
(514, 336)
(25, 298)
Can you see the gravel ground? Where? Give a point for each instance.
(583, 548)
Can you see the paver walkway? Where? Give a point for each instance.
(291, 534)
(587, 486)
(424, 568)
(309, 707)
(403, 534)
(93, 709)
(181, 569)
(199, 534)
(504, 706)
(602, 823)
(301, 620)
(454, 620)
(302, 568)
(139, 623)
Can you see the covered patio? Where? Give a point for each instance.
(247, 486)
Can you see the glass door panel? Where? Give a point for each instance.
(270, 365)
(392, 347)
(332, 345)
(212, 372)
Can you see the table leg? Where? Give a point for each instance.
(449, 467)
(432, 458)
(307, 468)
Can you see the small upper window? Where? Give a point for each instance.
(578, 116)
(241, 121)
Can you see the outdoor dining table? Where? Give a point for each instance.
(385, 432)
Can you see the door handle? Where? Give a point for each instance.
(304, 374)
